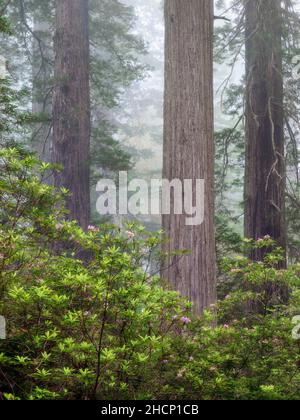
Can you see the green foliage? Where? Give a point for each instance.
(251, 354)
(86, 320)
(228, 241)
(96, 326)
(13, 123)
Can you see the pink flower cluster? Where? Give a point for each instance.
(130, 234)
(185, 320)
(265, 238)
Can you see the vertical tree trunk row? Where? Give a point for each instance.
(41, 104)
(71, 106)
(265, 166)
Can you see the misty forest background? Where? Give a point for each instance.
(145, 307)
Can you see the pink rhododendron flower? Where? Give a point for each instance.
(130, 234)
(185, 320)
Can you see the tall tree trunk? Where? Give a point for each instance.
(41, 97)
(265, 168)
(188, 144)
(71, 107)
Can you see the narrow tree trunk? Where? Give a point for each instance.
(71, 107)
(188, 144)
(41, 97)
(265, 168)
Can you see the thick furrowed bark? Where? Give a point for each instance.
(188, 144)
(71, 107)
(265, 167)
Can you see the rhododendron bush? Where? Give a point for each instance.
(87, 320)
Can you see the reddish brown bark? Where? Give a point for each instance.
(265, 168)
(71, 106)
(188, 144)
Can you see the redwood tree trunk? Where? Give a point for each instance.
(42, 101)
(71, 107)
(265, 168)
(188, 144)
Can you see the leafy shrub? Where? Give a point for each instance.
(92, 327)
(87, 321)
(251, 354)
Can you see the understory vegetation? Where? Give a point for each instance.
(86, 320)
